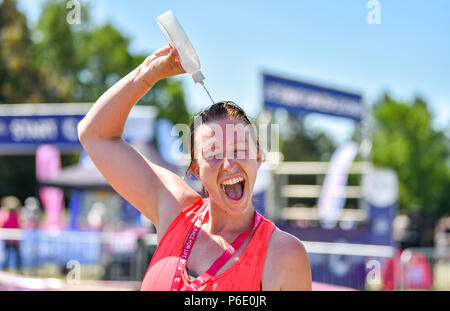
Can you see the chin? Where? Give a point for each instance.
(235, 207)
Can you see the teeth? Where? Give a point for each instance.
(232, 181)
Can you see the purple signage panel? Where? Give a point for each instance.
(301, 98)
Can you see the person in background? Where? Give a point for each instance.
(441, 267)
(31, 213)
(96, 216)
(10, 220)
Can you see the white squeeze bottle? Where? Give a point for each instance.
(175, 35)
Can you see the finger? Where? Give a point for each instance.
(177, 61)
(176, 67)
(173, 55)
(174, 58)
(179, 69)
(163, 51)
(173, 52)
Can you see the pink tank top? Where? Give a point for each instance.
(12, 221)
(244, 275)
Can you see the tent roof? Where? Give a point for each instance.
(89, 178)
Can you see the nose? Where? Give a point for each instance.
(228, 164)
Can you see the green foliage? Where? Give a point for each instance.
(80, 62)
(405, 141)
(19, 81)
(297, 143)
(169, 94)
(104, 53)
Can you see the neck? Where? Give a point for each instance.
(220, 221)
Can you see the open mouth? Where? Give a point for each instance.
(234, 188)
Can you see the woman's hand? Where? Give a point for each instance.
(162, 64)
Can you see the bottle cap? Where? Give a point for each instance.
(198, 77)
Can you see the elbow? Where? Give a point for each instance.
(86, 132)
(82, 131)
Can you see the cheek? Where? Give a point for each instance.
(252, 168)
(207, 170)
(250, 163)
(209, 165)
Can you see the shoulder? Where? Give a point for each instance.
(287, 265)
(184, 209)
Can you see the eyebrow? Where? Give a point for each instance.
(209, 146)
(219, 147)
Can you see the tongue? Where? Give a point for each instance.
(234, 191)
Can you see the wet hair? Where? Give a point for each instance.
(218, 111)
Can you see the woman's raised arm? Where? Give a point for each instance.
(156, 192)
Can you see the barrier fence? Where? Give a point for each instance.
(66, 260)
(426, 268)
(73, 256)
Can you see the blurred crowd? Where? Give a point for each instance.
(15, 216)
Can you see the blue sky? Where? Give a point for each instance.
(324, 41)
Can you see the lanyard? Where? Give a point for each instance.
(219, 263)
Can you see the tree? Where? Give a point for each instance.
(405, 141)
(82, 61)
(19, 81)
(298, 143)
(54, 51)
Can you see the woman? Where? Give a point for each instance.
(216, 243)
(11, 220)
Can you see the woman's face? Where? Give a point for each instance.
(227, 163)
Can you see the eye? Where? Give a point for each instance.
(241, 153)
(213, 157)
